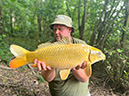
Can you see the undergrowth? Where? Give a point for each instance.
(5, 42)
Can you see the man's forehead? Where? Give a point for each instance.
(58, 25)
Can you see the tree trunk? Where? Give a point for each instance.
(68, 10)
(107, 35)
(1, 19)
(11, 23)
(34, 17)
(126, 22)
(82, 26)
(79, 8)
(39, 25)
(102, 28)
(93, 36)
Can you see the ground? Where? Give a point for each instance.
(26, 81)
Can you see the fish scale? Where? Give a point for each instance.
(60, 55)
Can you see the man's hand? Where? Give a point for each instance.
(81, 66)
(42, 65)
(79, 73)
(48, 73)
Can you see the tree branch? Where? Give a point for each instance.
(92, 39)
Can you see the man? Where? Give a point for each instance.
(77, 82)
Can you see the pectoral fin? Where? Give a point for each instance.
(64, 73)
(34, 65)
(88, 70)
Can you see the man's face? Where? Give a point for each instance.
(61, 31)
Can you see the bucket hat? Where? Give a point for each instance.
(64, 20)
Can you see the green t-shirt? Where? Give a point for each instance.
(71, 86)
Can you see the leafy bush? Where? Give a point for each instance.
(5, 42)
(5, 54)
(117, 68)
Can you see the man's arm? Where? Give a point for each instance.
(48, 73)
(79, 73)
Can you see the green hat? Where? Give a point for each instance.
(64, 20)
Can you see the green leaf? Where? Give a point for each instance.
(4, 35)
(125, 72)
(124, 29)
(41, 79)
(119, 50)
(12, 1)
(0, 38)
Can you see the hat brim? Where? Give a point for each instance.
(51, 25)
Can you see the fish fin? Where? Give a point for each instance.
(34, 65)
(64, 40)
(18, 51)
(44, 45)
(20, 54)
(17, 62)
(64, 73)
(88, 70)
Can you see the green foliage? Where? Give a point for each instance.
(4, 49)
(41, 79)
(119, 50)
(117, 68)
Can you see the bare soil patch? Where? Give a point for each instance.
(26, 82)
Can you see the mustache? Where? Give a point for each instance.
(58, 35)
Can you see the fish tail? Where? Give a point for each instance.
(20, 54)
(17, 62)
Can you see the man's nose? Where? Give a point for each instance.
(57, 31)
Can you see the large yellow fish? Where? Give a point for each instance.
(63, 55)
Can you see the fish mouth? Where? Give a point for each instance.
(96, 61)
(92, 61)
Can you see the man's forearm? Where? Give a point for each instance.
(80, 75)
(49, 75)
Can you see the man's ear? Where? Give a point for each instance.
(70, 29)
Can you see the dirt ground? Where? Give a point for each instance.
(27, 82)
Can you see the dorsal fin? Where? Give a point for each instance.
(44, 45)
(64, 40)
